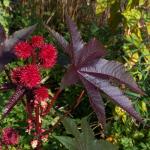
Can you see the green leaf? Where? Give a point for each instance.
(101, 5)
(83, 140)
(71, 127)
(87, 131)
(68, 142)
(132, 16)
(104, 145)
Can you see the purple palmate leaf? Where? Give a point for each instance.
(91, 50)
(61, 40)
(115, 93)
(95, 73)
(95, 101)
(77, 42)
(17, 36)
(6, 52)
(112, 69)
(13, 100)
(70, 77)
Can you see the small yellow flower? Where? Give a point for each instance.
(121, 113)
(143, 106)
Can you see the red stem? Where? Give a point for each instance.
(79, 99)
(29, 110)
(52, 102)
(38, 126)
(33, 57)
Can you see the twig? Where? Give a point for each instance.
(52, 102)
(66, 114)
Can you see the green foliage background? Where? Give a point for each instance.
(124, 28)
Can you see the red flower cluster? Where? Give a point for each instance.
(23, 50)
(10, 136)
(16, 75)
(47, 53)
(37, 41)
(28, 76)
(38, 55)
(41, 94)
(48, 56)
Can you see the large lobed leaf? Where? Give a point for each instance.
(112, 69)
(77, 42)
(84, 140)
(91, 50)
(95, 100)
(60, 39)
(6, 52)
(115, 93)
(95, 73)
(70, 77)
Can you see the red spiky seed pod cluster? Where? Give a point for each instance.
(37, 54)
(37, 41)
(10, 136)
(23, 50)
(41, 94)
(36, 49)
(46, 53)
(48, 56)
(28, 76)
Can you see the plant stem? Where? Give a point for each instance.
(52, 102)
(29, 110)
(79, 99)
(66, 114)
(33, 57)
(38, 126)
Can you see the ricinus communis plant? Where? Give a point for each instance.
(26, 80)
(95, 73)
(87, 65)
